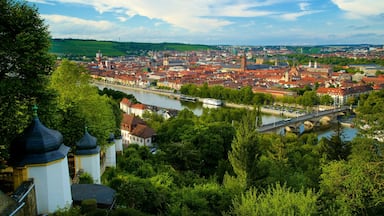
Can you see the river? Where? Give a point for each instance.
(150, 98)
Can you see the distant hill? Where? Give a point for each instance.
(88, 48)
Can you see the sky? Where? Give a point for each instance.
(217, 22)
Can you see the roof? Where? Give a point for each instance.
(104, 195)
(143, 131)
(87, 145)
(37, 144)
(139, 106)
(126, 101)
(130, 121)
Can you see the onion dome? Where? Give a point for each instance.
(87, 145)
(37, 144)
(111, 138)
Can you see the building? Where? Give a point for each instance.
(39, 154)
(38, 176)
(341, 95)
(132, 108)
(135, 130)
(87, 157)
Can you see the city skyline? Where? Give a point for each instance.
(217, 22)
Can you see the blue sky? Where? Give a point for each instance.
(217, 22)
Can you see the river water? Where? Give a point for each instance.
(163, 101)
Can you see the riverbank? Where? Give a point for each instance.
(173, 95)
(154, 91)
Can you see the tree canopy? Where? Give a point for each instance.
(79, 105)
(24, 66)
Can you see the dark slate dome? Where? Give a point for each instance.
(111, 138)
(37, 144)
(87, 145)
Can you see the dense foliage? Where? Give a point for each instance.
(76, 48)
(333, 60)
(79, 105)
(241, 96)
(305, 96)
(217, 164)
(24, 66)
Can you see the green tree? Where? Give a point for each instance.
(335, 147)
(310, 98)
(356, 185)
(200, 199)
(80, 105)
(276, 200)
(245, 151)
(326, 100)
(24, 66)
(370, 114)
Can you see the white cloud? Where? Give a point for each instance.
(41, 2)
(294, 16)
(190, 15)
(360, 8)
(303, 6)
(65, 26)
(122, 19)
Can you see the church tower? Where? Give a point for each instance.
(39, 154)
(87, 156)
(243, 63)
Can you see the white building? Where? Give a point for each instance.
(39, 154)
(87, 157)
(135, 130)
(132, 109)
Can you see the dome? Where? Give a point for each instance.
(37, 144)
(87, 145)
(111, 138)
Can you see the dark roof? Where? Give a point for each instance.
(87, 145)
(105, 196)
(111, 138)
(37, 144)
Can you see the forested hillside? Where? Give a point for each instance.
(73, 48)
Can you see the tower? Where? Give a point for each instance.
(243, 63)
(110, 155)
(39, 154)
(87, 156)
(99, 55)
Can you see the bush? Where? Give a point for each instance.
(88, 205)
(85, 178)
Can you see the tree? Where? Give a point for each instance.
(370, 114)
(24, 66)
(310, 98)
(80, 105)
(335, 147)
(276, 200)
(356, 185)
(326, 100)
(245, 152)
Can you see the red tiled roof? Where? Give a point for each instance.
(126, 101)
(139, 106)
(143, 131)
